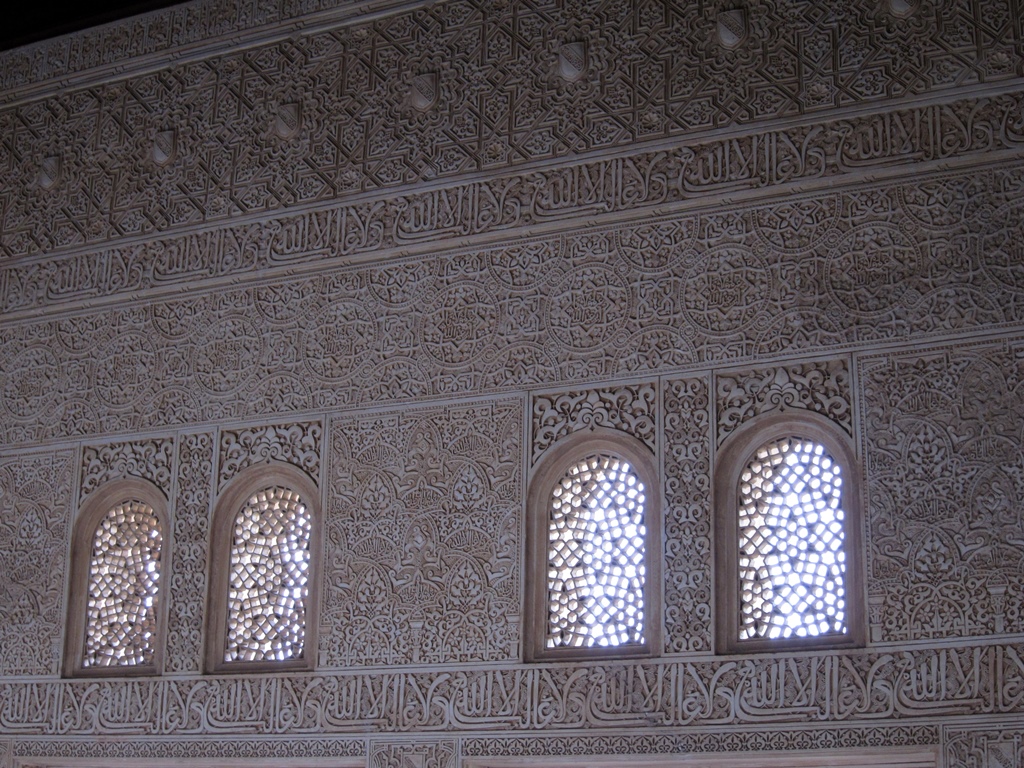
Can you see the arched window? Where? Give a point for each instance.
(595, 554)
(118, 563)
(788, 529)
(266, 542)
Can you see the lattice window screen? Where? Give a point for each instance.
(268, 579)
(124, 576)
(792, 561)
(596, 571)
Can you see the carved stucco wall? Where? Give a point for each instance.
(409, 253)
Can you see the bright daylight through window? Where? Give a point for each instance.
(124, 576)
(268, 578)
(792, 563)
(596, 572)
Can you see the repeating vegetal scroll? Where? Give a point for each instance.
(298, 444)
(944, 447)
(688, 521)
(631, 409)
(148, 459)
(35, 513)
(822, 387)
(716, 289)
(423, 529)
(189, 558)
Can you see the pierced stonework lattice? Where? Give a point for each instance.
(268, 580)
(792, 559)
(630, 409)
(595, 563)
(124, 581)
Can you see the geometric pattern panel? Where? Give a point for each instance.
(424, 529)
(792, 562)
(268, 581)
(944, 450)
(35, 510)
(596, 555)
(124, 580)
(594, 305)
(447, 92)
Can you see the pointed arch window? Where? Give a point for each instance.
(118, 563)
(788, 523)
(594, 550)
(266, 544)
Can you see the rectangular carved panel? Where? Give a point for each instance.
(944, 449)
(423, 526)
(189, 556)
(36, 510)
(687, 484)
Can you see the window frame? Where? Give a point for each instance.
(733, 457)
(229, 503)
(91, 514)
(549, 471)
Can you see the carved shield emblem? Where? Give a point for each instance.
(165, 147)
(424, 91)
(572, 61)
(49, 172)
(288, 120)
(732, 28)
(902, 9)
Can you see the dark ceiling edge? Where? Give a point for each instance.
(37, 22)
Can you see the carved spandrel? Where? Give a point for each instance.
(822, 387)
(631, 409)
(299, 444)
(150, 460)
